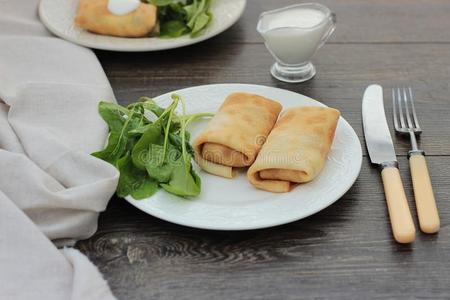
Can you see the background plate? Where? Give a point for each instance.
(58, 16)
(234, 204)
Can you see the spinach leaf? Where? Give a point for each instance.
(133, 181)
(141, 155)
(120, 121)
(162, 169)
(173, 28)
(191, 10)
(162, 2)
(113, 114)
(150, 104)
(179, 17)
(176, 140)
(161, 173)
(200, 23)
(200, 7)
(139, 131)
(113, 150)
(184, 181)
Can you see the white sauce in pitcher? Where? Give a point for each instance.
(122, 7)
(294, 35)
(300, 17)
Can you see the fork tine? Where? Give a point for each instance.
(394, 108)
(416, 120)
(408, 116)
(400, 108)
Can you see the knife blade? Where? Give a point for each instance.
(381, 152)
(376, 130)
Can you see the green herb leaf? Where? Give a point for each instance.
(150, 104)
(191, 10)
(184, 182)
(179, 17)
(162, 170)
(176, 140)
(140, 154)
(200, 23)
(173, 28)
(133, 181)
(120, 121)
(161, 2)
(200, 7)
(113, 114)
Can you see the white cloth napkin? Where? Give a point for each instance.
(51, 189)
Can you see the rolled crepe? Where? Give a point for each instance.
(93, 15)
(295, 150)
(236, 133)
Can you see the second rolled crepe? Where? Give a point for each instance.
(296, 149)
(235, 135)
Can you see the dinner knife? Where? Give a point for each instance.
(382, 153)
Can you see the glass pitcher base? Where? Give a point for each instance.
(293, 74)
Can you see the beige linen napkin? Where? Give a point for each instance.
(51, 189)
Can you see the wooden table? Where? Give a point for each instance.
(346, 251)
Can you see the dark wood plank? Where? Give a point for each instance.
(382, 21)
(343, 73)
(344, 252)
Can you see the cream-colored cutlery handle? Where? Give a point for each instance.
(399, 213)
(423, 192)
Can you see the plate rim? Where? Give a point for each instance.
(201, 38)
(351, 182)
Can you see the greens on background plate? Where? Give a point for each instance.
(180, 17)
(149, 145)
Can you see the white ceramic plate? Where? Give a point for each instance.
(234, 204)
(58, 16)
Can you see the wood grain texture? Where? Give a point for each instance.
(343, 252)
(359, 21)
(343, 72)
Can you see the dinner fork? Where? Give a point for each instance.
(406, 122)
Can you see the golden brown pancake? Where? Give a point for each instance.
(296, 149)
(236, 133)
(94, 16)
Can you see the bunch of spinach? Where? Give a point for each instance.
(149, 145)
(179, 17)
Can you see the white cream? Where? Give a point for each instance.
(122, 7)
(299, 17)
(293, 35)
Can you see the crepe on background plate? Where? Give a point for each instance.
(93, 15)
